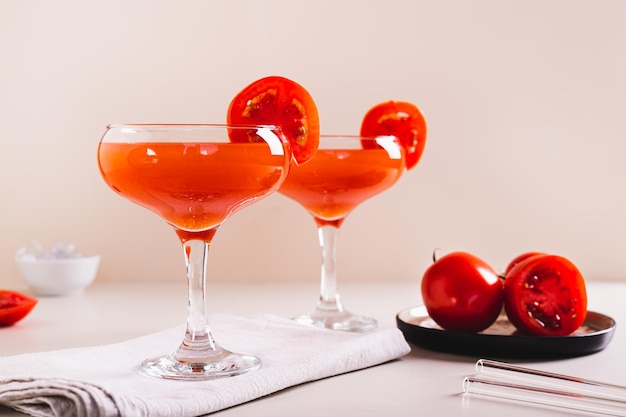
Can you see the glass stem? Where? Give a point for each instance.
(329, 296)
(198, 341)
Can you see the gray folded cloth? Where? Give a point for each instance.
(104, 381)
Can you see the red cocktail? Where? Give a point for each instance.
(194, 177)
(345, 171)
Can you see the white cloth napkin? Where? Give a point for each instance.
(104, 381)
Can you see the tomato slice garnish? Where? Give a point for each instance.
(401, 119)
(14, 307)
(545, 295)
(281, 102)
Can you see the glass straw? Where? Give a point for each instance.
(508, 381)
(535, 377)
(543, 396)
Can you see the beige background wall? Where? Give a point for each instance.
(525, 100)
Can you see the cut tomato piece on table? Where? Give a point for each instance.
(281, 102)
(401, 119)
(14, 307)
(545, 295)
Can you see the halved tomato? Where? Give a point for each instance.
(545, 295)
(519, 259)
(14, 307)
(281, 102)
(401, 119)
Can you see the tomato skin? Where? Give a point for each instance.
(14, 307)
(401, 119)
(462, 293)
(281, 102)
(520, 258)
(545, 295)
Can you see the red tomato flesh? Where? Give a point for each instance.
(14, 307)
(280, 102)
(545, 295)
(401, 119)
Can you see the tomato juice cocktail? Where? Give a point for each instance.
(195, 177)
(335, 181)
(344, 172)
(193, 186)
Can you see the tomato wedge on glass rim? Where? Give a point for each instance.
(401, 119)
(14, 306)
(281, 102)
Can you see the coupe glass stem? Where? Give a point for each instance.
(329, 311)
(197, 336)
(329, 296)
(198, 356)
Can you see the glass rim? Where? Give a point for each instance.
(158, 126)
(357, 137)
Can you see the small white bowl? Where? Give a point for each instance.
(58, 276)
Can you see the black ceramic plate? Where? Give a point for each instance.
(502, 340)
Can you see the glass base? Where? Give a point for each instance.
(338, 320)
(226, 365)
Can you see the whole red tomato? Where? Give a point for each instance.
(545, 295)
(462, 293)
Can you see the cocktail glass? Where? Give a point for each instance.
(345, 171)
(194, 177)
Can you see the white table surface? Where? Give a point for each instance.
(423, 383)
